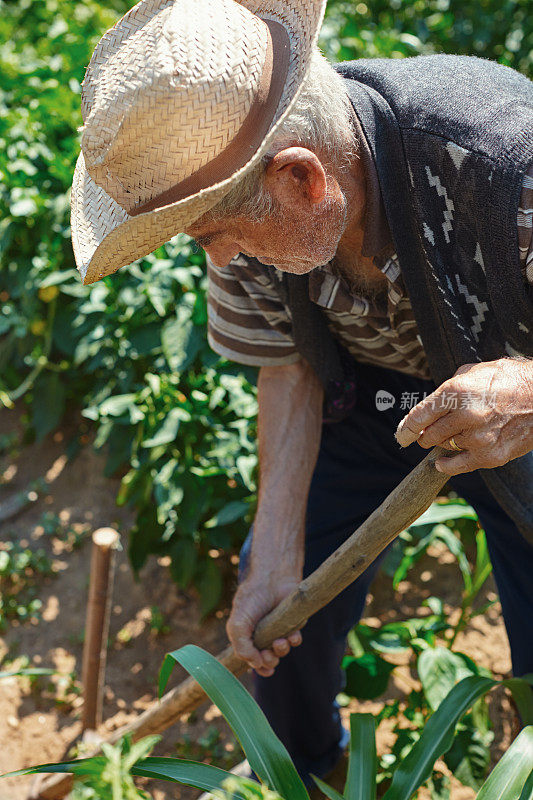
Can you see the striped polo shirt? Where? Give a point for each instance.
(248, 323)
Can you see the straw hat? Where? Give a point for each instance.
(181, 98)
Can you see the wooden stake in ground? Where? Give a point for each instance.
(105, 543)
(399, 510)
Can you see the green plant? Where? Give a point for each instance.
(131, 350)
(399, 28)
(510, 780)
(71, 535)
(158, 624)
(174, 420)
(20, 569)
(44, 683)
(24, 672)
(112, 780)
(428, 643)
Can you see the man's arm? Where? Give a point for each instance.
(289, 429)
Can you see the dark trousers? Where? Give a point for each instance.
(358, 465)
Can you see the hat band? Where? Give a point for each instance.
(249, 136)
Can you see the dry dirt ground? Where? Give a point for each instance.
(35, 727)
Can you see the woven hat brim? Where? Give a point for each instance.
(105, 237)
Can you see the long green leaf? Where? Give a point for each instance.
(527, 791)
(31, 671)
(266, 754)
(436, 738)
(483, 566)
(523, 697)
(79, 766)
(443, 512)
(329, 791)
(190, 773)
(362, 765)
(507, 779)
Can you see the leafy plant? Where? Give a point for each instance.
(72, 536)
(112, 779)
(20, 569)
(173, 418)
(177, 422)
(499, 31)
(428, 642)
(270, 761)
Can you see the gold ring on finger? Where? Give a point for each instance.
(453, 444)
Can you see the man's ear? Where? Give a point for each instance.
(296, 175)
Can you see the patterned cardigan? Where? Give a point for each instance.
(452, 138)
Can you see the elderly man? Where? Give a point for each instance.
(368, 231)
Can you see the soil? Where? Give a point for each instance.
(36, 727)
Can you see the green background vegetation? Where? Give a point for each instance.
(176, 422)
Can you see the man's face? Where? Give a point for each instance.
(290, 241)
(302, 232)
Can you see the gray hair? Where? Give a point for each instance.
(319, 119)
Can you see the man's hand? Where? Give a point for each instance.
(254, 598)
(488, 410)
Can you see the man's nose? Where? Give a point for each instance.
(222, 253)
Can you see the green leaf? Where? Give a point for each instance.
(117, 405)
(455, 546)
(56, 278)
(147, 339)
(483, 566)
(436, 739)
(440, 670)
(168, 431)
(209, 584)
(229, 513)
(181, 340)
(190, 773)
(267, 756)
(444, 512)
(362, 764)
(184, 557)
(394, 637)
(508, 777)
(329, 791)
(523, 697)
(27, 671)
(527, 791)
(78, 766)
(48, 403)
(246, 466)
(367, 677)
(469, 756)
